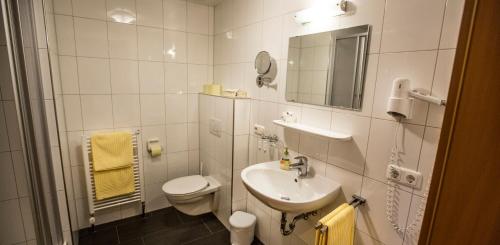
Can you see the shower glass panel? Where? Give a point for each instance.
(29, 108)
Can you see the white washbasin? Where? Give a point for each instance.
(284, 191)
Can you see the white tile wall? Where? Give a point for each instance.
(405, 29)
(404, 42)
(150, 43)
(93, 76)
(151, 78)
(14, 231)
(134, 75)
(91, 37)
(149, 13)
(90, 9)
(176, 108)
(65, 35)
(175, 14)
(97, 112)
(196, 18)
(69, 74)
(124, 76)
(122, 40)
(126, 110)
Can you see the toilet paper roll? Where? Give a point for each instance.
(155, 150)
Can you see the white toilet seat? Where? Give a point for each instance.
(185, 185)
(192, 195)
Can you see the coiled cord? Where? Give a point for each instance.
(391, 213)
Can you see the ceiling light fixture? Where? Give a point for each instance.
(321, 10)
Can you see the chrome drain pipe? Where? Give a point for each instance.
(291, 226)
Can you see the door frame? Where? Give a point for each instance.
(463, 204)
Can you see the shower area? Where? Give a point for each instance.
(33, 197)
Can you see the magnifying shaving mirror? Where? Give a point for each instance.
(266, 67)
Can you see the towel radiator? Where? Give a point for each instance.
(136, 196)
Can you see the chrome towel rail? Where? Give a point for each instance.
(355, 202)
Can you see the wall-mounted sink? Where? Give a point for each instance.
(284, 191)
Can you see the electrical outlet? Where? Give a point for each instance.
(404, 176)
(393, 173)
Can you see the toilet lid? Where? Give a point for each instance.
(185, 185)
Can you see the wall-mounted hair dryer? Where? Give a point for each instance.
(401, 102)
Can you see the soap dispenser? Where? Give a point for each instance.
(285, 160)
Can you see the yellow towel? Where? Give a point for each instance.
(112, 183)
(321, 238)
(341, 227)
(111, 150)
(112, 156)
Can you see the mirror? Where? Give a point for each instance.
(262, 62)
(266, 67)
(328, 68)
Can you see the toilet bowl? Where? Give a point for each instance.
(192, 195)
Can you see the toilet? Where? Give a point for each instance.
(192, 195)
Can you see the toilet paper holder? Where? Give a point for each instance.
(151, 142)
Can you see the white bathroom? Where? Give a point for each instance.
(241, 121)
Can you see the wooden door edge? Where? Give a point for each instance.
(450, 115)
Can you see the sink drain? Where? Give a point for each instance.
(285, 198)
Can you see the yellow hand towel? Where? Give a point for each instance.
(111, 150)
(321, 238)
(112, 183)
(112, 156)
(341, 227)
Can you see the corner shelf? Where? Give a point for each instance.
(315, 131)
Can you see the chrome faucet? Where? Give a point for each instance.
(301, 166)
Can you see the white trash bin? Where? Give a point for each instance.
(242, 228)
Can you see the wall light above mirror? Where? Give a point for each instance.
(328, 68)
(321, 10)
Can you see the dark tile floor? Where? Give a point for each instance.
(166, 226)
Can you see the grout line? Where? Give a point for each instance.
(117, 235)
(206, 226)
(200, 238)
(382, 182)
(138, 59)
(134, 24)
(108, 47)
(370, 53)
(77, 76)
